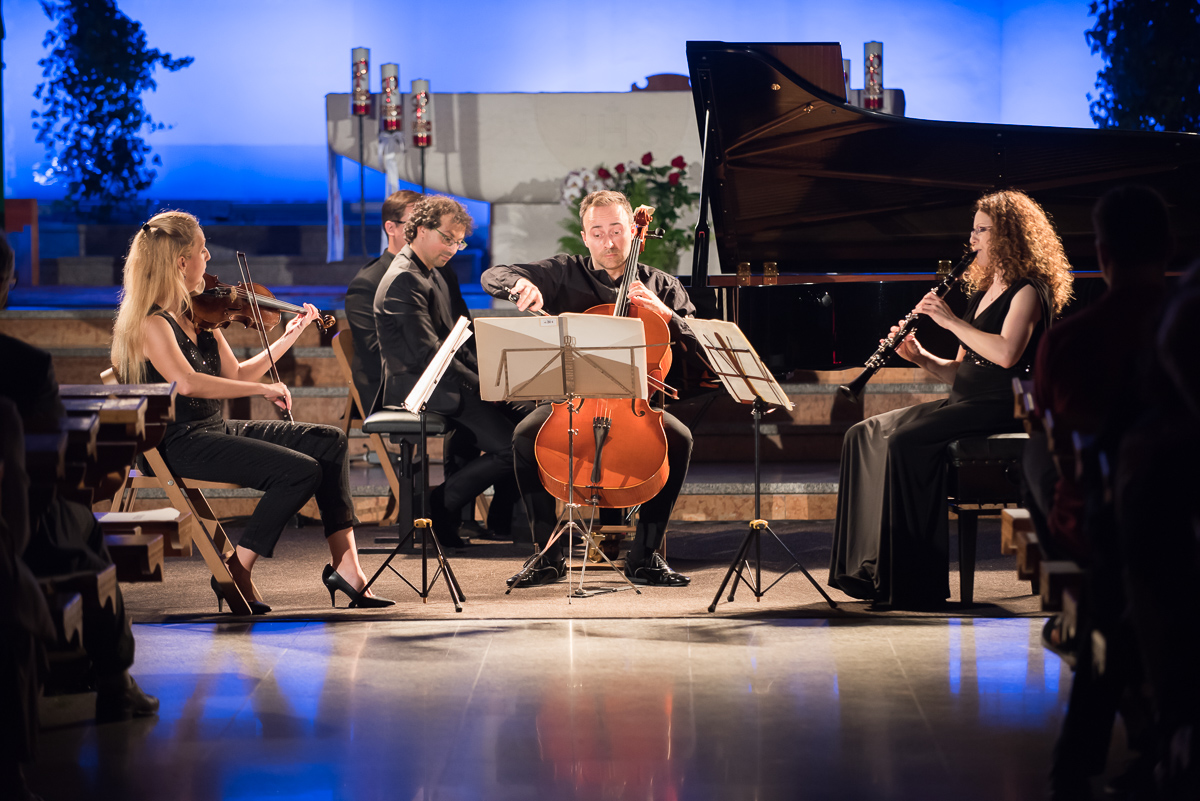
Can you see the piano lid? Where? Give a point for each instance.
(798, 177)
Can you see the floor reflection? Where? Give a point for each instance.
(604, 709)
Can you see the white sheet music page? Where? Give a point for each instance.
(429, 379)
(733, 359)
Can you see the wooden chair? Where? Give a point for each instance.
(205, 530)
(343, 350)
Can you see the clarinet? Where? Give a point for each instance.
(855, 388)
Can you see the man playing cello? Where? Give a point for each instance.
(568, 283)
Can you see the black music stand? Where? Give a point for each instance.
(415, 404)
(732, 358)
(562, 358)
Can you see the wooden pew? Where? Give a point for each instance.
(132, 419)
(66, 609)
(82, 432)
(98, 590)
(1017, 536)
(165, 523)
(137, 556)
(119, 439)
(159, 399)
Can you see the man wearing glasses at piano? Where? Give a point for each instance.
(414, 313)
(567, 283)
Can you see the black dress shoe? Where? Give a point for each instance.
(474, 531)
(656, 573)
(123, 701)
(538, 574)
(333, 582)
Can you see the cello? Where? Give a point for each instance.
(624, 462)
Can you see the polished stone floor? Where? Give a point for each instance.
(595, 709)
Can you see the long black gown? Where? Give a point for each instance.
(890, 537)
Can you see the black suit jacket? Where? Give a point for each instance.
(413, 316)
(367, 365)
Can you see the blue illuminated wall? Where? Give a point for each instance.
(248, 115)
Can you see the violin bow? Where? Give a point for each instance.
(256, 313)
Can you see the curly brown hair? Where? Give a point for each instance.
(1023, 244)
(428, 213)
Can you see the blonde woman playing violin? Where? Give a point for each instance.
(155, 340)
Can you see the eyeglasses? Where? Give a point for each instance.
(457, 244)
(981, 230)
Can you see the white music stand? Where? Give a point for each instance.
(563, 358)
(731, 356)
(415, 403)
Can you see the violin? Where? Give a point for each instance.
(624, 462)
(220, 304)
(247, 303)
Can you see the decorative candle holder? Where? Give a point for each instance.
(873, 75)
(422, 114)
(391, 113)
(360, 81)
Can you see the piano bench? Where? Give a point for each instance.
(404, 428)
(983, 476)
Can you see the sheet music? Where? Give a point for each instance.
(548, 358)
(732, 358)
(429, 379)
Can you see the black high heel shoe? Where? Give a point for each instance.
(333, 581)
(256, 607)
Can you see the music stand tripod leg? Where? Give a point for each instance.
(456, 593)
(756, 528)
(739, 559)
(395, 551)
(796, 565)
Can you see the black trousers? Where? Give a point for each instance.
(655, 513)
(462, 448)
(489, 428)
(288, 462)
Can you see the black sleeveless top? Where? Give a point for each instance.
(977, 378)
(204, 357)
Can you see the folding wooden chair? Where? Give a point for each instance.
(205, 530)
(343, 349)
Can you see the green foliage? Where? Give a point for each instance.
(92, 117)
(1151, 50)
(662, 187)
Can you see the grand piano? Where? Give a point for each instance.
(830, 220)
